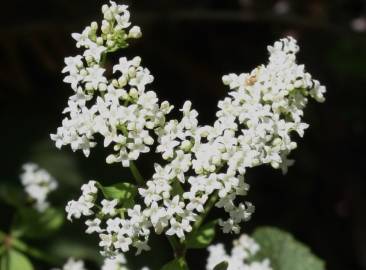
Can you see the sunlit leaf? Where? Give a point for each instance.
(222, 266)
(284, 252)
(14, 260)
(124, 192)
(203, 236)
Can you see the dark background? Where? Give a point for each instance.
(188, 46)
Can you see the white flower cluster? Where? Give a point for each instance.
(204, 165)
(118, 109)
(240, 258)
(116, 233)
(38, 183)
(116, 263)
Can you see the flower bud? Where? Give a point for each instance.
(100, 41)
(132, 72)
(102, 87)
(111, 159)
(133, 93)
(110, 43)
(104, 8)
(89, 87)
(105, 27)
(108, 15)
(122, 81)
(83, 72)
(148, 140)
(186, 146)
(94, 26)
(135, 32)
(226, 79)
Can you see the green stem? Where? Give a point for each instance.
(178, 247)
(136, 174)
(211, 202)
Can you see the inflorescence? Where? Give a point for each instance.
(255, 125)
(38, 183)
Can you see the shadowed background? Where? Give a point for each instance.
(188, 46)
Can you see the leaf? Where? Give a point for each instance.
(177, 264)
(4, 261)
(284, 252)
(222, 266)
(66, 246)
(124, 192)
(14, 260)
(203, 236)
(12, 196)
(177, 187)
(34, 224)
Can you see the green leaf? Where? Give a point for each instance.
(124, 192)
(284, 252)
(177, 264)
(33, 224)
(222, 266)
(4, 261)
(177, 187)
(12, 196)
(203, 236)
(14, 260)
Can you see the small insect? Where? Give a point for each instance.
(251, 80)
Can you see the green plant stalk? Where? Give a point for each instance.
(211, 202)
(136, 174)
(178, 247)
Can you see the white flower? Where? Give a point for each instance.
(83, 38)
(73, 264)
(95, 76)
(93, 226)
(241, 257)
(114, 225)
(135, 32)
(38, 184)
(115, 263)
(106, 240)
(174, 206)
(109, 207)
(79, 208)
(123, 242)
(89, 188)
(179, 228)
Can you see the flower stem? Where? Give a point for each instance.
(211, 202)
(179, 250)
(136, 174)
